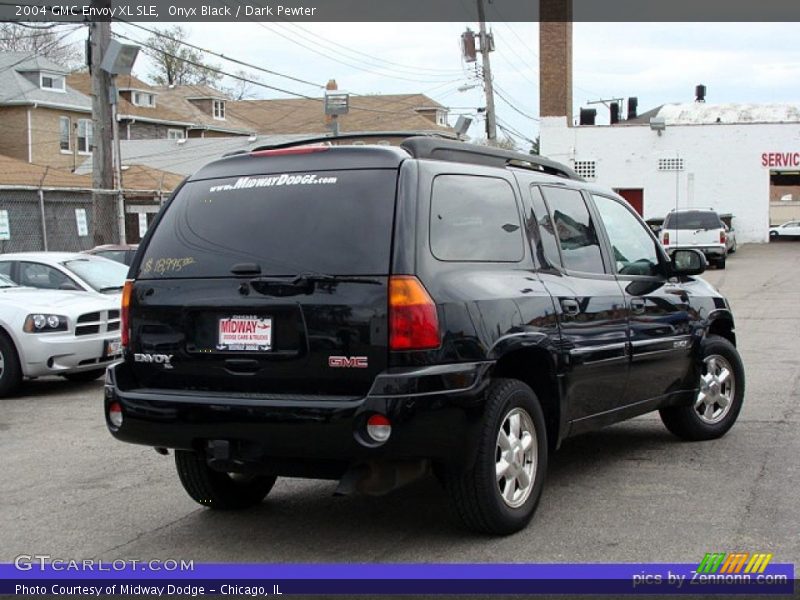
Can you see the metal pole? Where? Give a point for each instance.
(44, 219)
(118, 163)
(491, 123)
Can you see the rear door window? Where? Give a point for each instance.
(333, 222)
(475, 219)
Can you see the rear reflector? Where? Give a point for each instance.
(115, 414)
(127, 290)
(413, 322)
(379, 428)
(288, 151)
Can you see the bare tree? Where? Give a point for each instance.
(42, 39)
(238, 89)
(176, 63)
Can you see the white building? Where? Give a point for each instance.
(742, 159)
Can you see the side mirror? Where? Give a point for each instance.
(688, 262)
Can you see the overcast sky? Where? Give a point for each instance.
(659, 62)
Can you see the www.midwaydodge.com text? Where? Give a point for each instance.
(153, 11)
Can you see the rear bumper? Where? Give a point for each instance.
(434, 413)
(713, 251)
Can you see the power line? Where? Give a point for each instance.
(514, 108)
(224, 57)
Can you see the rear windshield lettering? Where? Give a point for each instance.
(246, 183)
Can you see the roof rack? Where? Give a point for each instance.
(355, 135)
(440, 149)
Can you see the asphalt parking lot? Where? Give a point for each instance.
(630, 493)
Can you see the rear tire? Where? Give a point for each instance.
(216, 490)
(10, 371)
(84, 376)
(719, 400)
(512, 442)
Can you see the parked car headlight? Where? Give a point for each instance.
(42, 323)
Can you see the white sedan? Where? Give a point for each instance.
(65, 271)
(55, 332)
(788, 229)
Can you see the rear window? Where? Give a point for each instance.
(694, 219)
(335, 222)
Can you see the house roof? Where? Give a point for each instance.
(16, 88)
(391, 112)
(141, 177)
(18, 172)
(177, 99)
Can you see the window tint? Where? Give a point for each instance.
(475, 219)
(633, 249)
(580, 248)
(5, 268)
(692, 219)
(333, 222)
(42, 276)
(547, 230)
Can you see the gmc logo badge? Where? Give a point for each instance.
(348, 362)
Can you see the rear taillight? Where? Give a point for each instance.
(413, 323)
(666, 238)
(379, 428)
(127, 290)
(722, 237)
(115, 414)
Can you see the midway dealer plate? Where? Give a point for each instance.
(245, 333)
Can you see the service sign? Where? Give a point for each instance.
(245, 333)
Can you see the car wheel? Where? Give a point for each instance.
(773, 235)
(719, 398)
(217, 490)
(10, 372)
(84, 375)
(499, 493)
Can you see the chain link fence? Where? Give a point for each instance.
(56, 219)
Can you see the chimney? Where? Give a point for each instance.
(700, 93)
(555, 59)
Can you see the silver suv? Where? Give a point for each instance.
(699, 229)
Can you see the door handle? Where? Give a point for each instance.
(570, 307)
(637, 306)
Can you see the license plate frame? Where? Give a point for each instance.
(112, 347)
(245, 333)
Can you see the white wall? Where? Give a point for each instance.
(722, 165)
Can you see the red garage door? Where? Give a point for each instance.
(635, 197)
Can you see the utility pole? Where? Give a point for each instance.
(487, 45)
(103, 206)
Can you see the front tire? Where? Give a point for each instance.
(719, 399)
(10, 371)
(216, 490)
(499, 493)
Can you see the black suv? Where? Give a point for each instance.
(373, 313)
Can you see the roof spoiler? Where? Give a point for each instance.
(354, 135)
(440, 149)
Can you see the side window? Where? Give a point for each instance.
(580, 248)
(5, 268)
(475, 219)
(633, 248)
(41, 276)
(547, 230)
